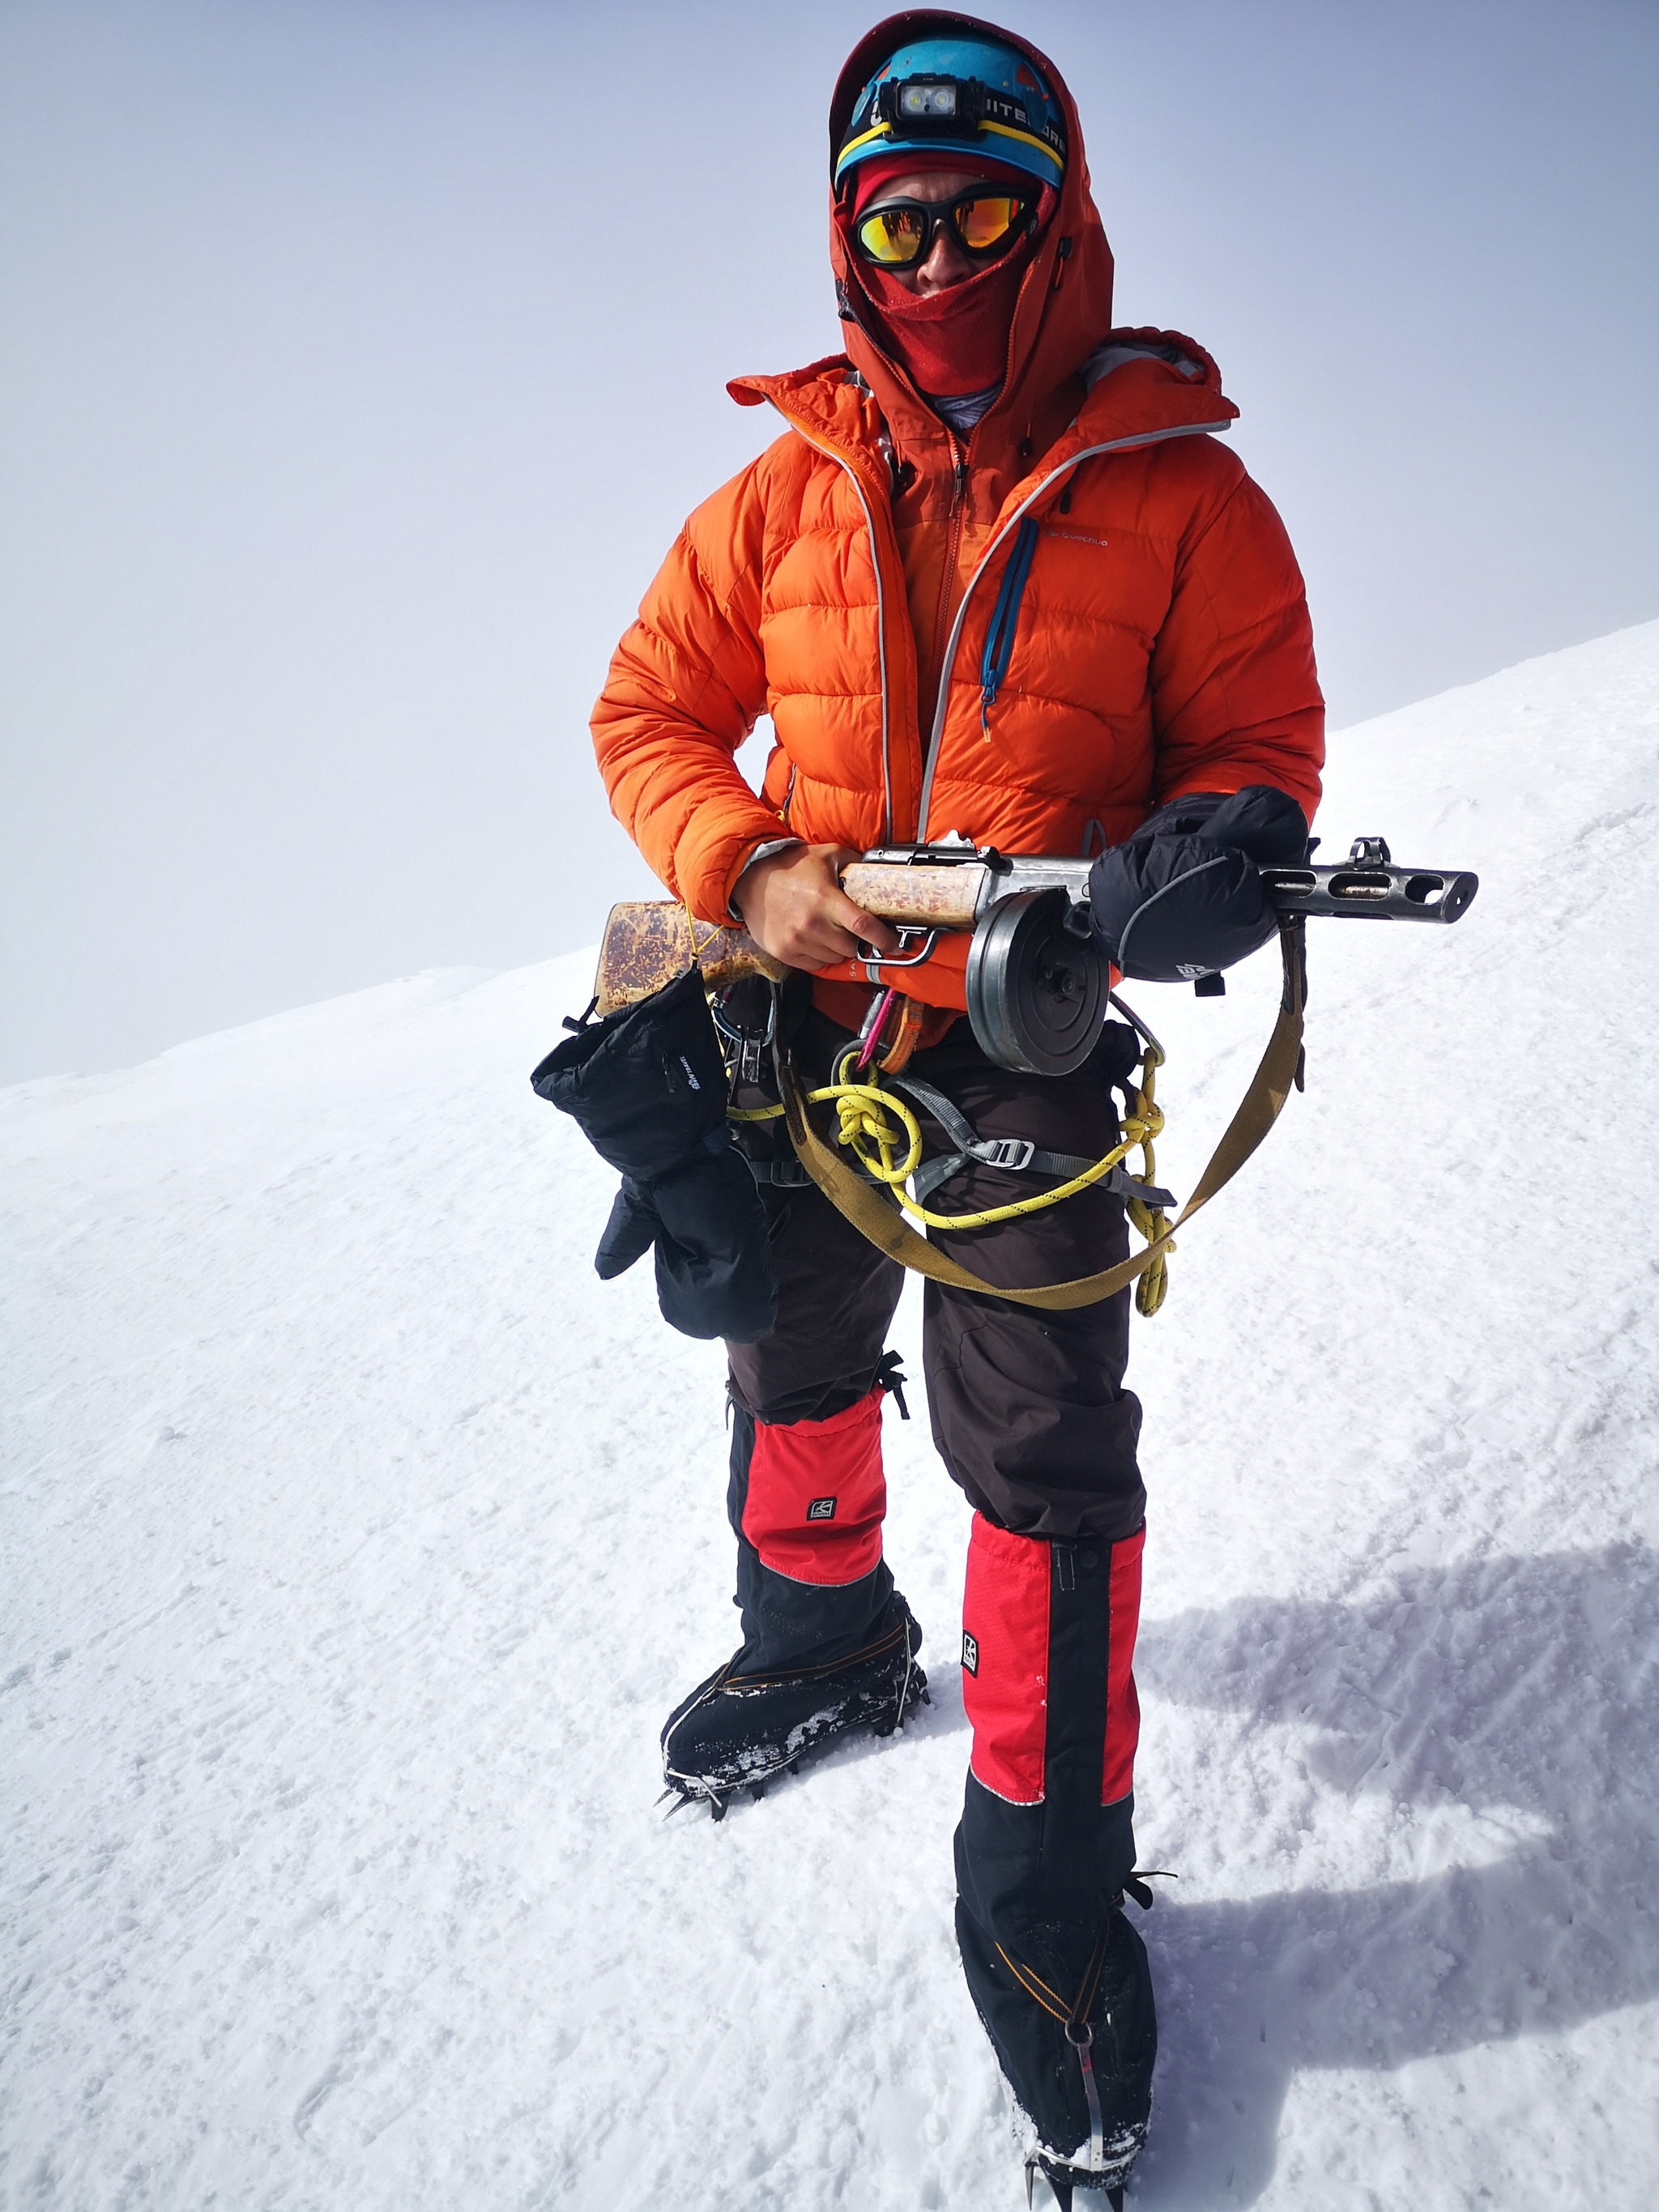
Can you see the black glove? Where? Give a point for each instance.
(714, 1265)
(1182, 896)
(648, 1087)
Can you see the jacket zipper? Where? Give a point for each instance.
(1086, 454)
(830, 454)
(952, 546)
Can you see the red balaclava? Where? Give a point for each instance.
(956, 342)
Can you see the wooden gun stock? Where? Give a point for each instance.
(648, 942)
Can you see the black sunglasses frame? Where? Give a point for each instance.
(936, 214)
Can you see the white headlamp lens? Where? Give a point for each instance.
(928, 99)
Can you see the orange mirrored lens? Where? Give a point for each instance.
(892, 235)
(986, 222)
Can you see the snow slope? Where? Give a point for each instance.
(356, 1541)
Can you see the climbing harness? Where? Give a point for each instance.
(873, 1122)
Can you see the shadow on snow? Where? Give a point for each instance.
(1522, 1688)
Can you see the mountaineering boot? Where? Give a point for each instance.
(1045, 1850)
(1117, 2046)
(1084, 2083)
(829, 1645)
(737, 1730)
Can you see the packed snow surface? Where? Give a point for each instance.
(357, 1541)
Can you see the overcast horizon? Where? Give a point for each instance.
(360, 362)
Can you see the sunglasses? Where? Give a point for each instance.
(984, 223)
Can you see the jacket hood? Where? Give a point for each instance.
(1064, 309)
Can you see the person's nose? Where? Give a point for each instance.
(946, 263)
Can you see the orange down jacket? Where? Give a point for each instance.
(1032, 637)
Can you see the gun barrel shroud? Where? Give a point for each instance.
(940, 893)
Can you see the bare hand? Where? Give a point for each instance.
(793, 907)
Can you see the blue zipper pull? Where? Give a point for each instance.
(1005, 620)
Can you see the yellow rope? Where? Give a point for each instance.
(697, 951)
(1150, 1220)
(863, 1127)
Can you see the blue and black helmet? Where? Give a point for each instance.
(976, 95)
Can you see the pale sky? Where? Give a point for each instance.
(359, 362)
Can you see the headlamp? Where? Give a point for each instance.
(959, 107)
(919, 106)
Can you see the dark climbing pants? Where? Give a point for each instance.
(1031, 1419)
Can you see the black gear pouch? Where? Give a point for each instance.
(646, 1087)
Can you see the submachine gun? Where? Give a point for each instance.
(1037, 980)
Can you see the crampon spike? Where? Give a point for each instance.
(1063, 2191)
